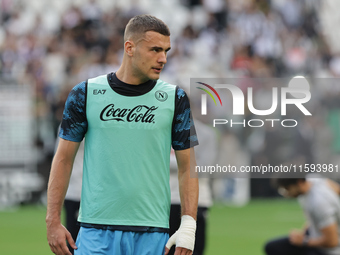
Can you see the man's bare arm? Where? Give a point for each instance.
(328, 238)
(188, 186)
(184, 238)
(57, 186)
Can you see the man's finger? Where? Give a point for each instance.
(61, 248)
(52, 248)
(58, 250)
(166, 251)
(171, 241)
(182, 251)
(71, 241)
(64, 249)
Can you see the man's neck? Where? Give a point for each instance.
(126, 76)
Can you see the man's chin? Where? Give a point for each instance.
(154, 77)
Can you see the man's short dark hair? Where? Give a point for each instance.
(141, 24)
(286, 182)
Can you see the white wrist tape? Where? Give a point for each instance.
(185, 236)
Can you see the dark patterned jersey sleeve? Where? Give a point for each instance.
(74, 123)
(183, 129)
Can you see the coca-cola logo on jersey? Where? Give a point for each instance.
(140, 113)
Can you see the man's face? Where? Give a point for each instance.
(150, 55)
(290, 191)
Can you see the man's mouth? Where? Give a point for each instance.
(157, 69)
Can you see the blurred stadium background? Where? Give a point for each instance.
(46, 47)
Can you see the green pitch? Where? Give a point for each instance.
(244, 230)
(237, 231)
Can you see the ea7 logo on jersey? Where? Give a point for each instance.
(99, 91)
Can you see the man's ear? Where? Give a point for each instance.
(129, 48)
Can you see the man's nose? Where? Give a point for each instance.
(162, 57)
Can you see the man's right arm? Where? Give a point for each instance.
(72, 132)
(57, 187)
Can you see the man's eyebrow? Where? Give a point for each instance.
(160, 48)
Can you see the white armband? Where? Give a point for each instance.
(185, 236)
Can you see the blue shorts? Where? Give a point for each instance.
(92, 241)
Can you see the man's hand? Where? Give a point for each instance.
(184, 238)
(179, 251)
(296, 237)
(57, 235)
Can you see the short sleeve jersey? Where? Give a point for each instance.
(128, 132)
(74, 122)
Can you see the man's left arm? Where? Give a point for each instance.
(324, 215)
(328, 238)
(188, 185)
(184, 238)
(183, 140)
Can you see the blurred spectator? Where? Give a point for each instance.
(292, 13)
